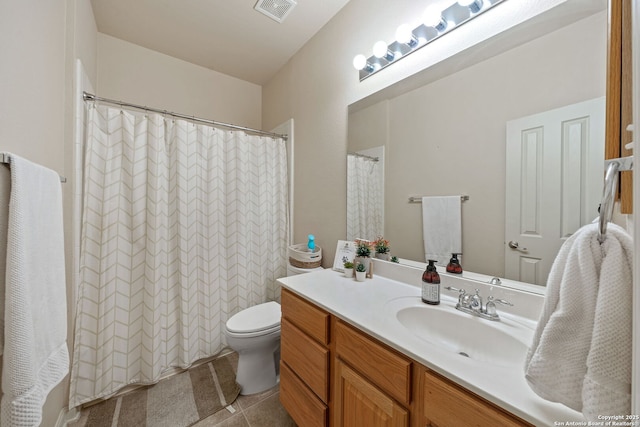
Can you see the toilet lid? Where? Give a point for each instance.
(257, 318)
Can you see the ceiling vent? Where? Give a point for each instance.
(275, 9)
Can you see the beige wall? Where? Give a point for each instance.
(448, 137)
(318, 84)
(131, 73)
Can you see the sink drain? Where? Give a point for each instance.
(462, 353)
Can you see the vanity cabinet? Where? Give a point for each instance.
(372, 382)
(360, 403)
(447, 404)
(304, 361)
(333, 374)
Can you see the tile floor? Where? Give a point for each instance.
(256, 410)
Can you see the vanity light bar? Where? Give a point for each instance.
(408, 41)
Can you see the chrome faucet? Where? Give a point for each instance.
(472, 304)
(475, 303)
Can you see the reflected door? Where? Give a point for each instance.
(554, 171)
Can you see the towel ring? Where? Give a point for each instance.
(608, 195)
(609, 192)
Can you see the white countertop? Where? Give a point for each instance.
(362, 304)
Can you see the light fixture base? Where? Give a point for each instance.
(277, 10)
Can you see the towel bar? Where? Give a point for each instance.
(418, 199)
(6, 159)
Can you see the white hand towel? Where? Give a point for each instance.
(441, 227)
(35, 316)
(581, 352)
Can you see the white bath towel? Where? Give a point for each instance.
(441, 227)
(581, 352)
(35, 326)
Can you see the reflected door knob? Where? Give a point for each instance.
(514, 245)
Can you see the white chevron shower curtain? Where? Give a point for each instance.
(183, 226)
(365, 204)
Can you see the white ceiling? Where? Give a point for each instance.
(228, 36)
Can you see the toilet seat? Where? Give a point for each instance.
(261, 319)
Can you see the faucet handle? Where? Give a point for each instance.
(490, 309)
(451, 288)
(501, 301)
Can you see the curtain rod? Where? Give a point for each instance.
(90, 97)
(375, 159)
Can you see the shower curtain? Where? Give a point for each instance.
(365, 204)
(183, 225)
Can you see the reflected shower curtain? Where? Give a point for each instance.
(365, 204)
(183, 225)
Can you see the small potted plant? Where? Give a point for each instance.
(395, 259)
(361, 272)
(363, 253)
(382, 248)
(348, 267)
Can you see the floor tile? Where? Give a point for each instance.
(269, 413)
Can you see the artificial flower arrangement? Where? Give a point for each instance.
(381, 245)
(363, 248)
(382, 248)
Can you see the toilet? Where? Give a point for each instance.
(254, 333)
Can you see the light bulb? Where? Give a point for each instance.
(404, 35)
(380, 49)
(433, 18)
(359, 62)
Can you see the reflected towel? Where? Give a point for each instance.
(581, 352)
(441, 227)
(35, 307)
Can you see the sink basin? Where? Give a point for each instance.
(503, 343)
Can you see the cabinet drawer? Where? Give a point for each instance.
(306, 316)
(304, 407)
(308, 359)
(447, 404)
(384, 367)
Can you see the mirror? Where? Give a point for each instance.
(448, 136)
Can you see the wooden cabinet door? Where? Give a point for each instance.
(448, 405)
(359, 403)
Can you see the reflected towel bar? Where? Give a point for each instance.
(418, 199)
(613, 166)
(6, 159)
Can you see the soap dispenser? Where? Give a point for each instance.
(431, 284)
(454, 265)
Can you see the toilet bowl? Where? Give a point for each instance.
(254, 333)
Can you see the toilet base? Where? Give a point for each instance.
(258, 370)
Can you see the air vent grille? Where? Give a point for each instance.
(275, 9)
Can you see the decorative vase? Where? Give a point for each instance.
(362, 260)
(348, 272)
(361, 276)
(385, 256)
